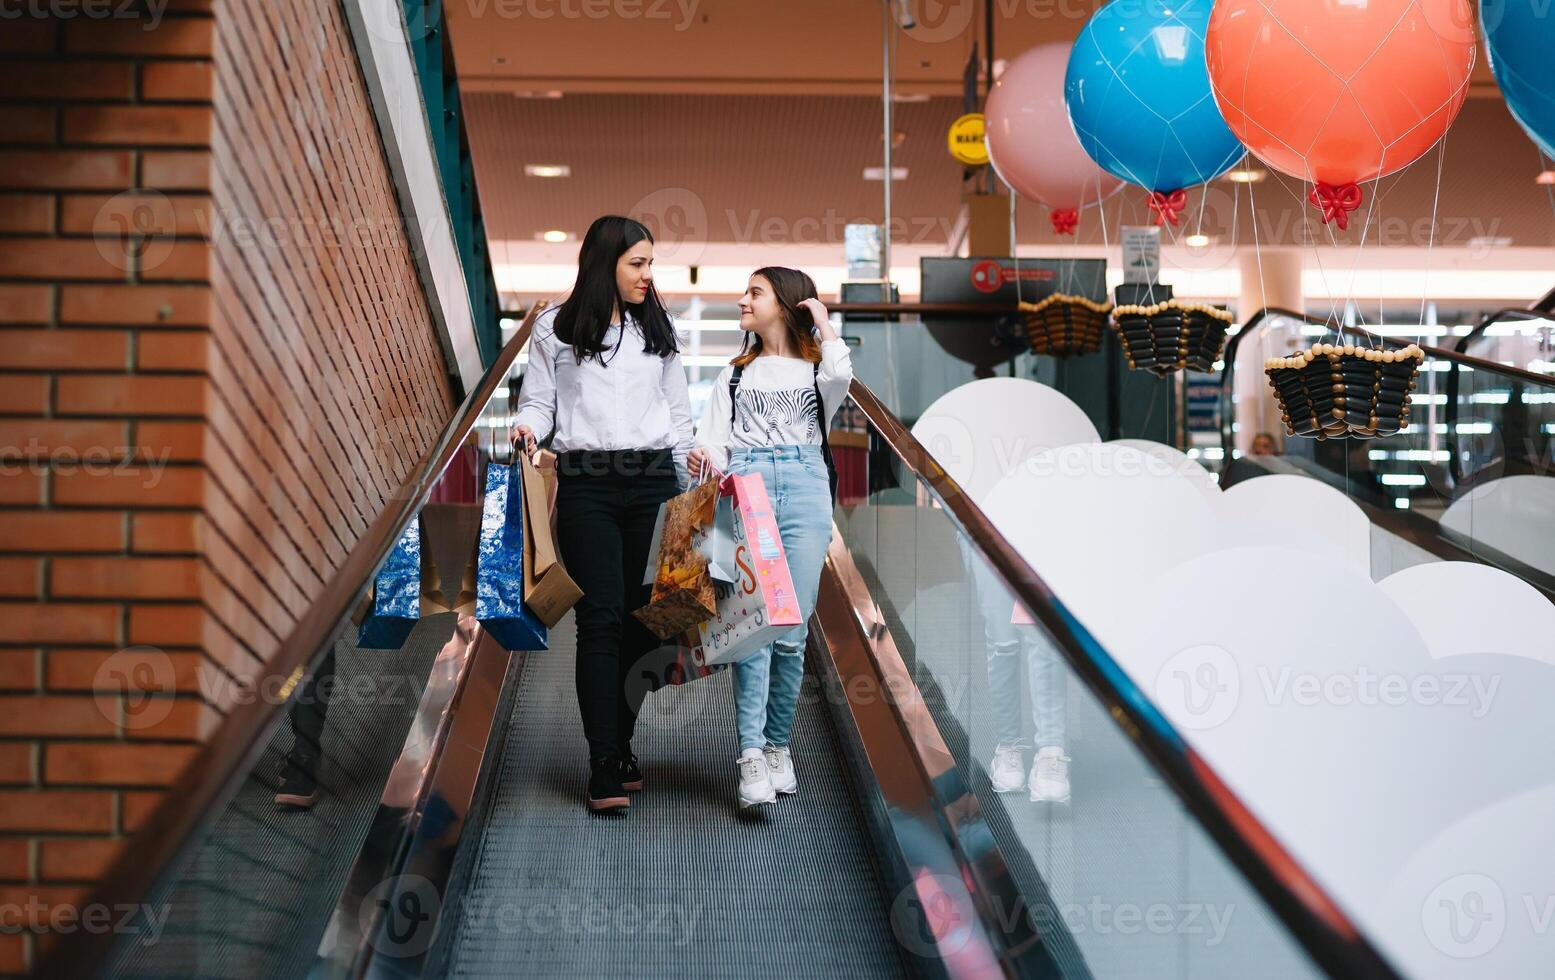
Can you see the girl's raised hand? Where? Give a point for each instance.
(818, 311)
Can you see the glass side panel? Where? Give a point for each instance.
(1475, 463)
(1120, 875)
(253, 896)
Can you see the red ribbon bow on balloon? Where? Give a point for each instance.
(1167, 206)
(1065, 221)
(1337, 201)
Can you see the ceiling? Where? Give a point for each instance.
(750, 124)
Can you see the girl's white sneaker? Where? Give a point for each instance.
(755, 783)
(780, 768)
(1007, 771)
(1049, 778)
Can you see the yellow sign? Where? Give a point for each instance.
(966, 140)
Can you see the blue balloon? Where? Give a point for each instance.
(1518, 38)
(1139, 95)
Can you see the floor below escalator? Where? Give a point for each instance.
(682, 884)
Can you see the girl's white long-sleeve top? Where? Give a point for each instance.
(633, 400)
(776, 402)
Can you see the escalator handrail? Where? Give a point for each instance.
(1539, 312)
(201, 790)
(1327, 933)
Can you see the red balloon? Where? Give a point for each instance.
(1337, 92)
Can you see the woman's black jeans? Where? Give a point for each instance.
(606, 506)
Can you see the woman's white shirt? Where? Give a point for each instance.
(634, 400)
(776, 403)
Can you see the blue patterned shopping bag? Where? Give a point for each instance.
(499, 579)
(396, 596)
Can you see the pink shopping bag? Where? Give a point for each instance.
(759, 605)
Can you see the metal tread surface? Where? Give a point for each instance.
(682, 884)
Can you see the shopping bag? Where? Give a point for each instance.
(682, 593)
(394, 604)
(450, 534)
(714, 540)
(548, 590)
(499, 578)
(761, 604)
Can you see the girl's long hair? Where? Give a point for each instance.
(581, 321)
(791, 287)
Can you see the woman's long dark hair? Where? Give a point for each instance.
(582, 319)
(790, 287)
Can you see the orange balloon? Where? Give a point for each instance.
(1338, 92)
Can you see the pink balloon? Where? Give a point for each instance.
(1031, 143)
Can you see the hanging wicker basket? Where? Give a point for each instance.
(1171, 336)
(1064, 325)
(1348, 392)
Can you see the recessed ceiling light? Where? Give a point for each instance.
(909, 96)
(1489, 241)
(547, 170)
(548, 94)
(878, 173)
(1246, 175)
(1197, 241)
(554, 236)
(1545, 177)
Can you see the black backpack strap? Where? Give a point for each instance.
(820, 409)
(734, 387)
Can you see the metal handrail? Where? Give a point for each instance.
(1328, 934)
(204, 787)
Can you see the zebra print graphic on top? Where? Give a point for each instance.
(774, 412)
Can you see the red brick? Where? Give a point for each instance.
(60, 622)
(46, 897)
(126, 578)
(19, 577)
(28, 36)
(176, 441)
(59, 258)
(150, 213)
(85, 811)
(16, 763)
(138, 125)
(138, 808)
(76, 715)
(25, 304)
(192, 626)
(62, 530)
(165, 306)
(173, 36)
(114, 763)
(13, 954)
(66, 350)
(176, 81)
(15, 859)
(187, 720)
(171, 170)
(67, 81)
(78, 860)
(22, 487)
(26, 124)
(18, 670)
(166, 533)
(22, 214)
(65, 169)
(24, 394)
(143, 394)
(66, 441)
(169, 351)
(87, 670)
(145, 485)
(188, 261)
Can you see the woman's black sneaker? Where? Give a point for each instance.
(631, 774)
(605, 790)
(299, 787)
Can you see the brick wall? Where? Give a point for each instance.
(216, 365)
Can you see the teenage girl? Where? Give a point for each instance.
(768, 414)
(605, 375)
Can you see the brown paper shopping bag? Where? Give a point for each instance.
(548, 590)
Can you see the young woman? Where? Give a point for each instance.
(605, 373)
(790, 376)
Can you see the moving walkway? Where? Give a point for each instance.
(451, 838)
